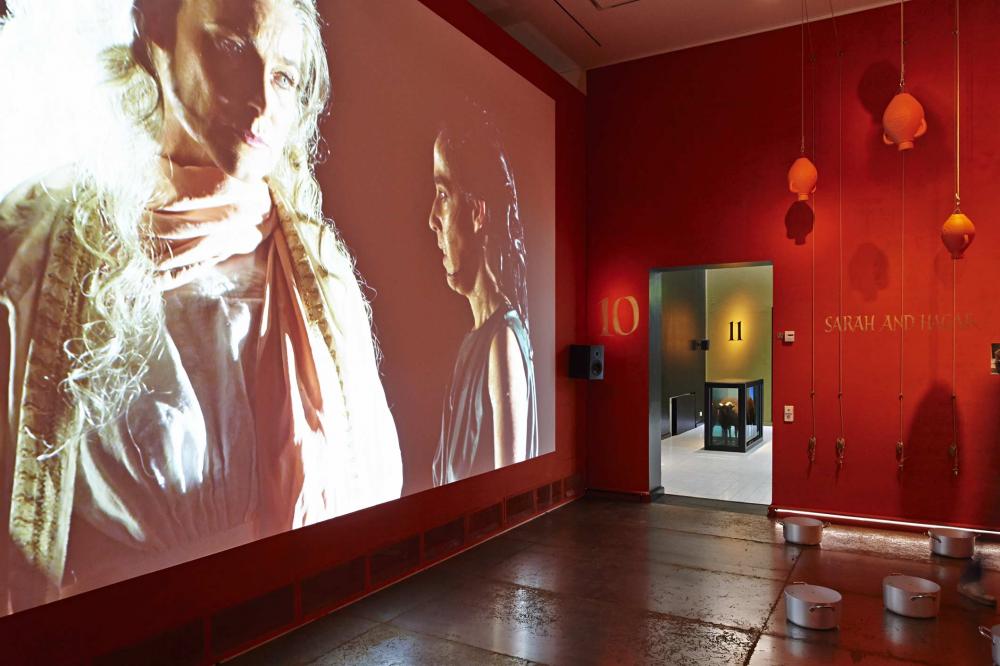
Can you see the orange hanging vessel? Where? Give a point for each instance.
(957, 234)
(802, 178)
(903, 121)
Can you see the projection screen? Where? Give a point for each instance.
(262, 263)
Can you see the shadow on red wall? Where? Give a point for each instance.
(687, 158)
(928, 487)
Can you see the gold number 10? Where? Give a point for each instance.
(615, 321)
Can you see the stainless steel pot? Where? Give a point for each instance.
(993, 633)
(911, 596)
(952, 543)
(803, 531)
(812, 606)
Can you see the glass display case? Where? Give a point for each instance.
(734, 410)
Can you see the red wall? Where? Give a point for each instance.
(77, 628)
(688, 154)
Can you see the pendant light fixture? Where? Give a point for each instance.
(903, 120)
(957, 234)
(802, 176)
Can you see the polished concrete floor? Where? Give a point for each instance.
(686, 468)
(600, 582)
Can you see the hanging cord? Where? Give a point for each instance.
(841, 444)
(953, 449)
(812, 337)
(902, 53)
(958, 117)
(900, 443)
(812, 333)
(802, 81)
(812, 83)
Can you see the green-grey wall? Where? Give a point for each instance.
(683, 320)
(740, 294)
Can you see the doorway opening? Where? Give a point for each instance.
(710, 344)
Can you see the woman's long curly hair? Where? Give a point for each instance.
(124, 318)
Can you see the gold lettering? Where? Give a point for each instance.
(616, 322)
(869, 323)
(612, 315)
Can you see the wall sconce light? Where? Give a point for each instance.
(736, 328)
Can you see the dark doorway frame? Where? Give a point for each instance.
(656, 363)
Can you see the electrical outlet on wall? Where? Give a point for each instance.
(789, 413)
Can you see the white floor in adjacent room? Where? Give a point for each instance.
(688, 469)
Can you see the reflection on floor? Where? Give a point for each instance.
(688, 469)
(599, 582)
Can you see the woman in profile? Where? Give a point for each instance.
(191, 362)
(489, 418)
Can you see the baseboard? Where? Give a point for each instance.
(644, 497)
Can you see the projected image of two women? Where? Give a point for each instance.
(262, 263)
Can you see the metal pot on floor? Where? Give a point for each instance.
(911, 596)
(949, 542)
(812, 606)
(803, 531)
(993, 633)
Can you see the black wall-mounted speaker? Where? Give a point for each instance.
(586, 361)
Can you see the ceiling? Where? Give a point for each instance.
(572, 36)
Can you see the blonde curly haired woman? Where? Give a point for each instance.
(189, 355)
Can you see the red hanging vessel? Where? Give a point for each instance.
(957, 234)
(903, 121)
(802, 178)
